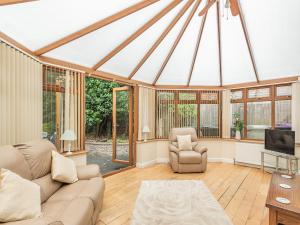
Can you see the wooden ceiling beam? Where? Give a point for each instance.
(187, 22)
(95, 26)
(161, 38)
(136, 34)
(11, 2)
(197, 48)
(16, 44)
(89, 71)
(219, 43)
(245, 30)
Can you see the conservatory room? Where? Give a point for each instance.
(149, 112)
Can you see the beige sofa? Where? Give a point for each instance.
(73, 204)
(194, 160)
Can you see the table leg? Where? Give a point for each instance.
(272, 217)
(297, 169)
(277, 163)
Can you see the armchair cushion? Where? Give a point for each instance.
(189, 157)
(87, 172)
(184, 142)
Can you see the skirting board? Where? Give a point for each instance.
(166, 160)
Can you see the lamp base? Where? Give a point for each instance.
(69, 152)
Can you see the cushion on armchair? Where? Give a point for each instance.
(184, 142)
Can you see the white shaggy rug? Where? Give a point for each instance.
(177, 202)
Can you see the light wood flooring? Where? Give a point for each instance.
(240, 190)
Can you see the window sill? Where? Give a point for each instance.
(80, 152)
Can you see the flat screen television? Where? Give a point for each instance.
(280, 141)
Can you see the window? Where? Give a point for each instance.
(198, 109)
(63, 105)
(261, 108)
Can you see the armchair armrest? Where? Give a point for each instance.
(88, 171)
(200, 149)
(173, 148)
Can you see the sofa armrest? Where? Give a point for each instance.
(200, 149)
(88, 171)
(173, 148)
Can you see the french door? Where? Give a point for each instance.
(122, 125)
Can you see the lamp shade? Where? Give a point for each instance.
(146, 129)
(68, 135)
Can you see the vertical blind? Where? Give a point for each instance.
(195, 108)
(146, 112)
(20, 96)
(63, 105)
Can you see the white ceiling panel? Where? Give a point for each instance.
(236, 62)
(38, 23)
(274, 31)
(206, 69)
(125, 61)
(91, 48)
(177, 70)
(150, 68)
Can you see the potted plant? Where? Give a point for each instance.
(238, 125)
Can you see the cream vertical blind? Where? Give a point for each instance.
(20, 96)
(296, 110)
(74, 114)
(146, 112)
(226, 114)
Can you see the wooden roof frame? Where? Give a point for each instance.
(95, 26)
(196, 48)
(137, 33)
(219, 43)
(161, 38)
(12, 2)
(245, 31)
(110, 76)
(183, 29)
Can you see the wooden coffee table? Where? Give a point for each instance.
(279, 213)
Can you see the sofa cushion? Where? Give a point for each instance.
(189, 157)
(63, 169)
(75, 212)
(48, 186)
(92, 189)
(14, 161)
(38, 156)
(19, 197)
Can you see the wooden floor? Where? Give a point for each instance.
(240, 190)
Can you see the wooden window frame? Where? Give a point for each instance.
(272, 98)
(176, 101)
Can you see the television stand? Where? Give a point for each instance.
(289, 161)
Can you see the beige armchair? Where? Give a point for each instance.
(187, 161)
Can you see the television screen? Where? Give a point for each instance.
(280, 141)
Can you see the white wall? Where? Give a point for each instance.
(222, 150)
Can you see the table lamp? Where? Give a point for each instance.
(68, 135)
(145, 131)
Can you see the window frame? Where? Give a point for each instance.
(272, 98)
(198, 101)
